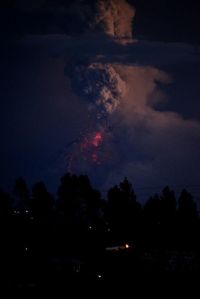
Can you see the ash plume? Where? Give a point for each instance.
(115, 18)
(100, 84)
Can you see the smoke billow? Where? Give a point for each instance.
(161, 146)
(100, 84)
(114, 17)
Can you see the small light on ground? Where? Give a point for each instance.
(16, 212)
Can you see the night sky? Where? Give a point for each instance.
(86, 90)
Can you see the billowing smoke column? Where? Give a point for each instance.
(114, 17)
(103, 89)
(99, 83)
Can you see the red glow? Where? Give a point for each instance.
(90, 149)
(97, 139)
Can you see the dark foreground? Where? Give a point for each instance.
(78, 241)
(127, 270)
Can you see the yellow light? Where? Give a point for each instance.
(127, 246)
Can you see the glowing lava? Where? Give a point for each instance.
(92, 141)
(91, 149)
(97, 139)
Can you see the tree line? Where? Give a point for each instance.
(37, 229)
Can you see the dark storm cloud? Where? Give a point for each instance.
(75, 17)
(168, 20)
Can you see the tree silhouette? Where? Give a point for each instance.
(152, 210)
(77, 200)
(168, 217)
(152, 221)
(6, 235)
(187, 208)
(21, 190)
(46, 239)
(168, 205)
(5, 205)
(187, 220)
(123, 211)
(79, 210)
(42, 201)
